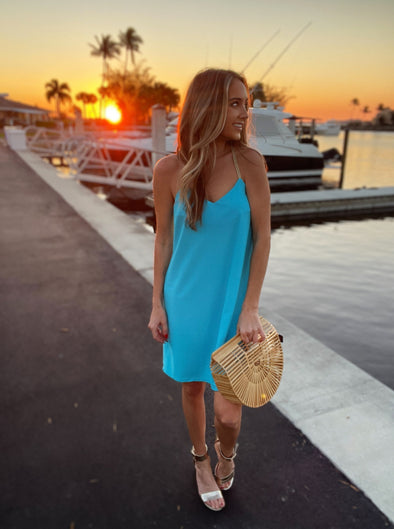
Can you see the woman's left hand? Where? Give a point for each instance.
(249, 326)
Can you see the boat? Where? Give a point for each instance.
(328, 128)
(292, 164)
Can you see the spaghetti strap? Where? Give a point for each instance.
(236, 163)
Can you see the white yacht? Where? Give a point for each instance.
(328, 128)
(292, 164)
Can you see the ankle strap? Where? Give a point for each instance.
(231, 457)
(197, 457)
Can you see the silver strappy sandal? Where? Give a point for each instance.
(226, 482)
(207, 496)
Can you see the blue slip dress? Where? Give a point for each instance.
(206, 282)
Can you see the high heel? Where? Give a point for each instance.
(207, 496)
(226, 482)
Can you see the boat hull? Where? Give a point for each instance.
(294, 173)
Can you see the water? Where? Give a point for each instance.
(370, 159)
(336, 280)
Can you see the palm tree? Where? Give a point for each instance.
(355, 102)
(131, 41)
(105, 92)
(59, 92)
(87, 99)
(172, 98)
(106, 48)
(83, 96)
(164, 94)
(380, 107)
(92, 100)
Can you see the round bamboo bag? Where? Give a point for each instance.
(249, 374)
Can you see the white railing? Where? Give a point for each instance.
(46, 142)
(110, 163)
(101, 161)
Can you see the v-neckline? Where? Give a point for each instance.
(225, 194)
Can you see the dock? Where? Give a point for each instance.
(329, 204)
(93, 433)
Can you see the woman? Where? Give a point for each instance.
(212, 206)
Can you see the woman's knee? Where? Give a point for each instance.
(229, 419)
(193, 390)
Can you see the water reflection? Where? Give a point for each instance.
(370, 159)
(336, 281)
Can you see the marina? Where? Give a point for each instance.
(303, 187)
(127, 162)
(93, 431)
(331, 280)
(320, 390)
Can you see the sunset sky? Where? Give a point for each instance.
(347, 51)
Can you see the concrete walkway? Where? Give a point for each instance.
(92, 431)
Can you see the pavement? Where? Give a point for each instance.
(92, 432)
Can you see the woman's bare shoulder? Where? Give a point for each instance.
(252, 156)
(170, 164)
(166, 174)
(252, 163)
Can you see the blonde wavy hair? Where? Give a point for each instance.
(202, 120)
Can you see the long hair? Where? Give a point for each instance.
(202, 120)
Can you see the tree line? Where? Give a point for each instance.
(134, 90)
(355, 102)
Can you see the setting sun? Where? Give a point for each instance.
(113, 114)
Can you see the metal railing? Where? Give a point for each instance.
(100, 161)
(45, 142)
(110, 163)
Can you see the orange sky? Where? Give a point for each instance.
(346, 52)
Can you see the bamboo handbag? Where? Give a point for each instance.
(249, 374)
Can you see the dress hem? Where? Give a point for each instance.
(212, 386)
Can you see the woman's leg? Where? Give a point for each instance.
(228, 417)
(194, 411)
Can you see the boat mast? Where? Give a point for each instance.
(258, 53)
(284, 51)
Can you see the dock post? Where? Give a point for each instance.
(313, 129)
(345, 142)
(15, 138)
(158, 132)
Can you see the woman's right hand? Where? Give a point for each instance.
(158, 324)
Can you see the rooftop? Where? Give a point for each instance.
(8, 105)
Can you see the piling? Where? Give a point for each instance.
(158, 132)
(344, 153)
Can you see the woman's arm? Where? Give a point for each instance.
(164, 201)
(257, 188)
